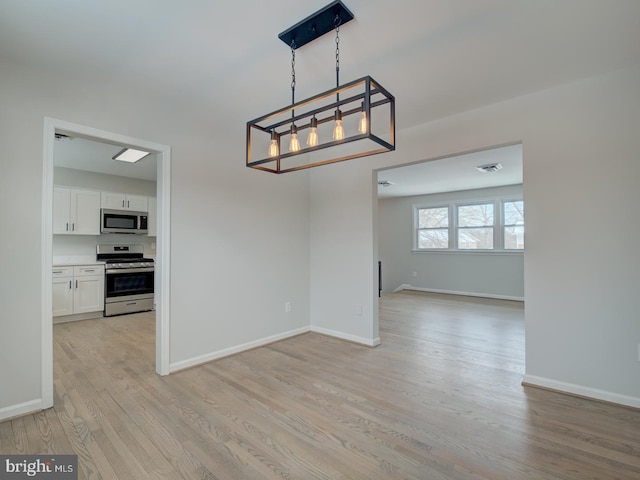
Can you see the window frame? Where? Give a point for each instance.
(457, 226)
(417, 229)
(498, 226)
(504, 225)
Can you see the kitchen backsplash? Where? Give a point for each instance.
(85, 245)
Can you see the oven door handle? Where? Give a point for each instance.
(113, 271)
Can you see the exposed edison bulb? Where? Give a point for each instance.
(273, 145)
(294, 143)
(312, 138)
(362, 124)
(338, 129)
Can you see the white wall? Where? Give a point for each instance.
(240, 238)
(491, 274)
(581, 168)
(342, 272)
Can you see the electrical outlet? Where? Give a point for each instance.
(153, 246)
(358, 309)
(415, 274)
(287, 307)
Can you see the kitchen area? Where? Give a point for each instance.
(104, 231)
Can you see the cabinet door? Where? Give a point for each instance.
(85, 212)
(115, 201)
(61, 210)
(137, 203)
(62, 296)
(88, 294)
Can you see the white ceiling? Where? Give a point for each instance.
(453, 173)
(224, 60)
(94, 156)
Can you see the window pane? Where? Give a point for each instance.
(475, 215)
(436, 238)
(514, 238)
(433, 217)
(475, 238)
(514, 213)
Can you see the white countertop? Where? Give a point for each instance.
(61, 261)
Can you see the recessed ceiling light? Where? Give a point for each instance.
(130, 155)
(489, 168)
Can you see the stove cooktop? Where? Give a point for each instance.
(128, 259)
(123, 256)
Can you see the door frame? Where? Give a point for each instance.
(163, 265)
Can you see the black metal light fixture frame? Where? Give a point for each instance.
(352, 98)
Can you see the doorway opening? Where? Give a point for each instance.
(53, 127)
(421, 242)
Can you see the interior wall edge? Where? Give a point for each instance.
(405, 286)
(226, 352)
(580, 391)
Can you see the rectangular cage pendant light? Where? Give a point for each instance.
(353, 120)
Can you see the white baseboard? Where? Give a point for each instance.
(369, 342)
(406, 286)
(192, 362)
(581, 391)
(20, 409)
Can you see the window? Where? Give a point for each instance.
(494, 224)
(513, 225)
(433, 227)
(475, 226)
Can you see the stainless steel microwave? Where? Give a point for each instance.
(123, 221)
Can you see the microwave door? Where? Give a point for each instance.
(114, 221)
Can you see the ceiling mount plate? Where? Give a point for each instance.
(316, 24)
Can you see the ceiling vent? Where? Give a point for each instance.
(489, 168)
(384, 183)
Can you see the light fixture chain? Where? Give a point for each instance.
(293, 74)
(337, 22)
(293, 65)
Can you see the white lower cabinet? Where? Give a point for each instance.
(78, 290)
(62, 294)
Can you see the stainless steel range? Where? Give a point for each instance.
(129, 279)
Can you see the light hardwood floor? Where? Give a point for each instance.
(439, 399)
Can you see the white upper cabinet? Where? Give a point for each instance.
(76, 211)
(124, 201)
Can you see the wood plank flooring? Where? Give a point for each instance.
(439, 399)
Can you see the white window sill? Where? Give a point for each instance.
(471, 252)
